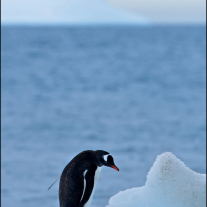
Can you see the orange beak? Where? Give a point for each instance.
(114, 167)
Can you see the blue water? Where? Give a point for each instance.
(135, 92)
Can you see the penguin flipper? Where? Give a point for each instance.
(89, 185)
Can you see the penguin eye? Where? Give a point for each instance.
(110, 159)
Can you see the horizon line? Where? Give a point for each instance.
(103, 24)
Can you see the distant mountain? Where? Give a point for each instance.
(69, 12)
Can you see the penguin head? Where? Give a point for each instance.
(105, 158)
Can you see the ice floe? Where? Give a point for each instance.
(169, 184)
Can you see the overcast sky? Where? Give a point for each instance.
(158, 11)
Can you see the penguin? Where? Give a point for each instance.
(79, 177)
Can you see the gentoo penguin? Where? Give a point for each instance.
(79, 177)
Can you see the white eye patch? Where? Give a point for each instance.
(105, 157)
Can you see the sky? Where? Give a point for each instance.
(78, 11)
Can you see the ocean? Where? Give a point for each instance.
(135, 92)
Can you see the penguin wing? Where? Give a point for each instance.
(88, 186)
(84, 185)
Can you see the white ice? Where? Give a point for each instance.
(169, 184)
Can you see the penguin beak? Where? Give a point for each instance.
(113, 166)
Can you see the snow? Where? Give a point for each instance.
(169, 184)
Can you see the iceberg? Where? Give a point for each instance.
(73, 12)
(169, 184)
(98, 12)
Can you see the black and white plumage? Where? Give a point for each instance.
(79, 177)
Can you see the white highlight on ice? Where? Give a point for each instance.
(169, 184)
(97, 173)
(84, 180)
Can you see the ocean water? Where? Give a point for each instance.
(135, 92)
